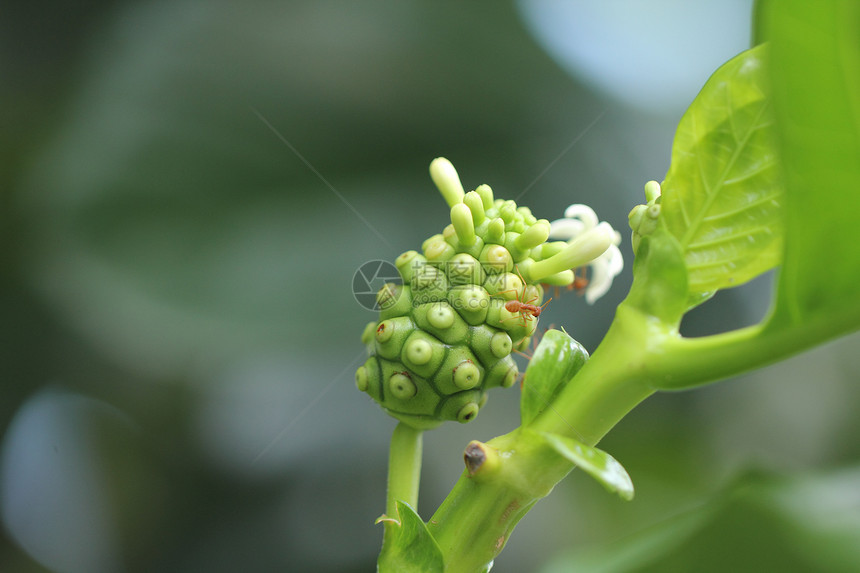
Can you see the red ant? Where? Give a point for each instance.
(525, 309)
(580, 282)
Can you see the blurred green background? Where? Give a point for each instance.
(187, 189)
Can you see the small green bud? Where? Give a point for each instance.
(369, 333)
(361, 379)
(446, 379)
(500, 344)
(634, 218)
(652, 191)
(503, 373)
(505, 285)
(422, 354)
(391, 334)
(463, 406)
(432, 239)
(406, 263)
(439, 251)
(440, 316)
(372, 379)
(467, 375)
(468, 412)
(394, 300)
(442, 321)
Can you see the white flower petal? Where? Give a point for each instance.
(582, 212)
(603, 270)
(566, 229)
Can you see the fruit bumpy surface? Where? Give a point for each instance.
(444, 336)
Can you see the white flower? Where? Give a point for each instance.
(579, 221)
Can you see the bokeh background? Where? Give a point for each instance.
(186, 189)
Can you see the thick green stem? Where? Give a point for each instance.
(688, 362)
(404, 471)
(474, 522)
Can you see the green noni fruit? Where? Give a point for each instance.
(445, 335)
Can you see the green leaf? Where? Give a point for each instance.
(816, 79)
(596, 463)
(411, 548)
(722, 195)
(556, 360)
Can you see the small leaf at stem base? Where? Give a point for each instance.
(596, 463)
(411, 548)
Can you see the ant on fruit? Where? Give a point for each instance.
(525, 309)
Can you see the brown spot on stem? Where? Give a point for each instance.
(474, 456)
(506, 515)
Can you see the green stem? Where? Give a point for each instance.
(404, 472)
(688, 362)
(473, 523)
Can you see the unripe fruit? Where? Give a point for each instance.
(444, 336)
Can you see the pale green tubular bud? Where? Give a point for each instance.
(464, 225)
(476, 207)
(579, 251)
(486, 194)
(652, 191)
(447, 181)
(535, 235)
(495, 232)
(563, 278)
(508, 213)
